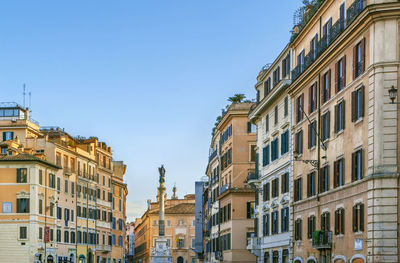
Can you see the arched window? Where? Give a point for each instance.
(266, 257)
(179, 260)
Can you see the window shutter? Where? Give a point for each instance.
(353, 167)
(277, 187)
(328, 127)
(310, 97)
(322, 88)
(344, 70)
(355, 62)
(264, 225)
(302, 105)
(309, 135)
(361, 163)
(268, 194)
(4, 136)
(363, 55)
(329, 84)
(248, 127)
(336, 118)
(342, 219)
(336, 222)
(335, 175)
(336, 77)
(353, 105)
(300, 223)
(344, 114)
(327, 176)
(362, 100)
(355, 218)
(361, 217)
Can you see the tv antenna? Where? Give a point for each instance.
(24, 93)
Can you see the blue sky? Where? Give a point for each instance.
(148, 77)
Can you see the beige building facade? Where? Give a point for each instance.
(179, 230)
(345, 133)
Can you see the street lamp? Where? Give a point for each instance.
(393, 94)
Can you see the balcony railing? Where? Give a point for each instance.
(68, 170)
(223, 188)
(336, 30)
(322, 239)
(212, 156)
(252, 176)
(104, 248)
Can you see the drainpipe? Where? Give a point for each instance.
(45, 208)
(319, 147)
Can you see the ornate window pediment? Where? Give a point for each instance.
(23, 194)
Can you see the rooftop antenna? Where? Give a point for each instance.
(30, 97)
(24, 94)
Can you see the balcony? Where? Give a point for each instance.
(334, 31)
(252, 177)
(212, 156)
(223, 188)
(254, 246)
(103, 248)
(322, 239)
(68, 171)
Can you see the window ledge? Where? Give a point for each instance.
(339, 132)
(359, 121)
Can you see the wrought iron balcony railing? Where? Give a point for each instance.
(322, 239)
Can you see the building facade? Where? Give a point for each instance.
(179, 230)
(75, 217)
(228, 202)
(272, 115)
(345, 183)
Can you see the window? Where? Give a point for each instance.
(253, 153)
(340, 74)
(285, 142)
(325, 128)
(258, 96)
(339, 221)
(58, 235)
(276, 115)
(297, 229)
(23, 205)
(285, 183)
(276, 75)
(23, 232)
(311, 184)
(266, 225)
(299, 142)
(59, 212)
(339, 116)
(300, 61)
(359, 59)
(120, 241)
(297, 189)
(312, 137)
(326, 87)
(299, 107)
(285, 219)
(7, 136)
(357, 165)
(250, 209)
(66, 237)
(274, 149)
(266, 155)
(266, 257)
(275, 222)
(285, 256)
(52, 181)
(313, 46)
(40, 177)
(72, 237)
(267, 87)
(357, 104)
(40, 206)
(266, 194)
(66, 186)
(51, 209)
(275, 187)
(286, 106)
(338, 173)
(326, 32)
(286, 66)
(312, 98)
(275, 257)
(267, 123)
(22, 175)
(310, 226)
(324, 179)
(51, 234)
(325, 221)
(358, 217)
(79, 237)
(40, 233)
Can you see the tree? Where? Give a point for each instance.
(237, 98)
